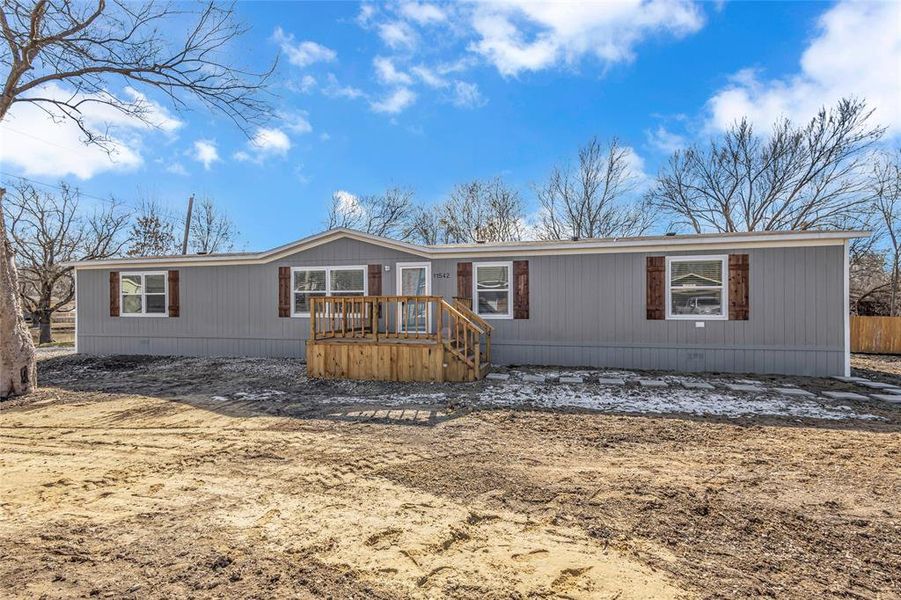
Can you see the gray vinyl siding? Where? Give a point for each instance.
(224, 310)
(585, 310)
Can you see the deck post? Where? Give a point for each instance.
(312, 318)
(376, 304)
(440, 320)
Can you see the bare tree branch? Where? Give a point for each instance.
(588, 201)
(386, 214)
(47, 230)
(89, 46)
(211, 229)
(797, 178)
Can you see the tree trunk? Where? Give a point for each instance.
(46, 335)
(893, 304)
(18, 370)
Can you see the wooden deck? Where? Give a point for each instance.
(396, 338)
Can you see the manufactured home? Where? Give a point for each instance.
(358, 305)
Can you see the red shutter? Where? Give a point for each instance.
(173, 294)
(375, 280)
(114, 293)
(464, 280)
(656, 288)
(739, 305)
(284, 291)
(520, 289)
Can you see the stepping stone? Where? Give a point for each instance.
(696, 385)
(572, 379)
(744, 387)
(792, 391)
(655, 383)
(498, 376)
(844, 396)
(848, 379)
(533, 378)
(875, 385)
(887, 398)
(611, 381)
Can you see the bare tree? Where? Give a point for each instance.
(94, 47)
(89, 45)
(48, 230)
(211, 229)
(18, 374)
(477, 210)
(589, 201)
(886, 194)
(796, 178)
(152, 232)
(386, 214)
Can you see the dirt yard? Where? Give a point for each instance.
(180, 478)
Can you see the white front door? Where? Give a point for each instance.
(414, 279)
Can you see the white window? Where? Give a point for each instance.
(143, 294)
(325, 281)
(492, 291)
(697, 287)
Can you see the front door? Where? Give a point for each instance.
(414, 279)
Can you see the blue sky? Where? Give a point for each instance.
(429, 95)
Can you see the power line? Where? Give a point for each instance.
(59, 187)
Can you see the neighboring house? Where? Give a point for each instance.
(773, 302)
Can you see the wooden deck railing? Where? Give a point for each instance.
(402, 318)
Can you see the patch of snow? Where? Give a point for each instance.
(260, 395)
(649, 401)
(388, 399)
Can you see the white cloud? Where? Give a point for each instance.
(520, 35)
(665, 140)
(296, 122)
(177, 169)
(642, 179)
(333, 89)
(324, 136)
(367, 12)
(266, 142)
(388, 73)
(206, 153)
(429, 77)
(467, 95)
(347, 202)
(38, 144)
(302, 54)
(397, 34)
(307, 84)
(857, 53)
(395, 102)
(422, 13)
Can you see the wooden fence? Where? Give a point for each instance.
(876, 335)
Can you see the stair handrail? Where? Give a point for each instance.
(473, 316)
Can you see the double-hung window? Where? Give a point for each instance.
(492, 290)
(697, 287)
(143, 294)
(308, 282)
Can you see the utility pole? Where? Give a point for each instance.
(184, 243)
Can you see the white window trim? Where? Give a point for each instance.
(143, 312)
(399, 267)
(328, 281)
(475, 290)
(724, 259)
